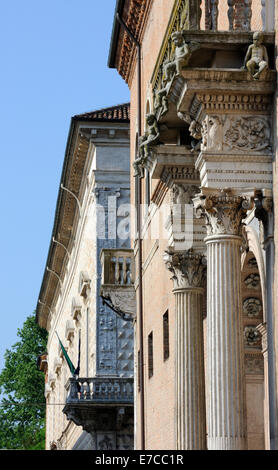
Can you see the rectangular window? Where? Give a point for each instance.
(150, 354)
(166, 351)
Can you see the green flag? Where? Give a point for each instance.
(70, 364)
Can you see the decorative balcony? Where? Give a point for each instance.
(100, 390)
(100, 404)
(117, 284)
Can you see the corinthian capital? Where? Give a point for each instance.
(223, 211)
(188, 268)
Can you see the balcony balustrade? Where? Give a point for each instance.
(117, 267)
(239, 14)
(100, 390)
(117, 284)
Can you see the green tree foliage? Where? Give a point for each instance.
(22, 410)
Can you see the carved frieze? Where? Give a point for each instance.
(182, 173)
(231, 102)
(248, 134)
(237, 133)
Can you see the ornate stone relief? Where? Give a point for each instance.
(195, 130)
(252, 281)
(84, 285)
(248, 133)
(252, 307)
(70, 330)
(186, 15)
(180, 59)
(223, 212)
(256, 60)
(175, 51)
(76, 309)
(183, 193)
(252, 263)
(106, 342)
(264, 209)
(188, 268)
(252, 337)
(123, 300)
(225, 102)
(179, 173)
(148, 140)
(237, 133)
(184, 230)
(212, 133)
(254, 364)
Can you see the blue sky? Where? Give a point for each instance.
(53, 57)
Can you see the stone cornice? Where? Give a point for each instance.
(66, 210)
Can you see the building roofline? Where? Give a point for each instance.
(102, 115)
(57, 213)
(115, 34)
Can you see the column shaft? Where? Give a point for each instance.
(226, 381)
(190, 387)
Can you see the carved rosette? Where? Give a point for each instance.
(188, 269)
(223, 212)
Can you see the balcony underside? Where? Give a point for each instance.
(96, 417)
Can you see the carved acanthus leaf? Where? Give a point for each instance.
(188, 268)
(223, 212)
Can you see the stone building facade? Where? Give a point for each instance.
(92, 408)
(203, 83)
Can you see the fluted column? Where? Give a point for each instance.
(224, 212)
(188, 273)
